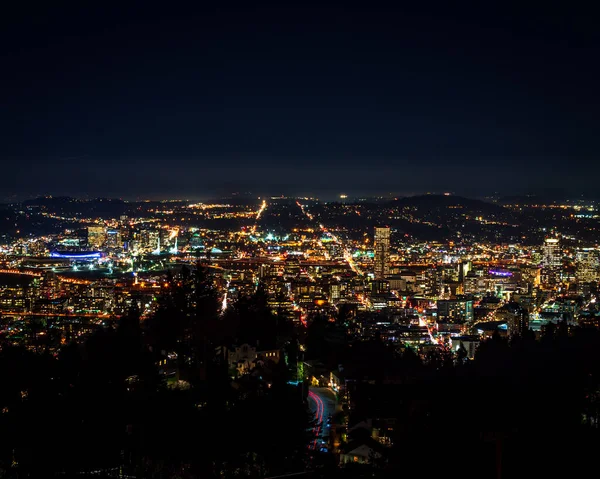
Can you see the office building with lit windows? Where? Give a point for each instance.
(551, 253)
(382, 252)
(551, 261)
(96, 236)
(587, 265)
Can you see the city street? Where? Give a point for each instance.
(323, 403)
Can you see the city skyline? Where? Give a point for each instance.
(299, 239)
(324, 310)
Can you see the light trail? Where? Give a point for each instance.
(224, 304)
(308, 215)
(423, 322)
(318, 415)
(310, 276)
(262, 208)
(347, 255)
(259, 213)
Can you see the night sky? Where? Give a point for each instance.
(170, 100)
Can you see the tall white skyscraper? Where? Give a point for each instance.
(382, 252)
(551, 253)
(551, 262)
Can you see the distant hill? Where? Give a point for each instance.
(437, 202)
(64, 205)
(432, 217)
(67, 200)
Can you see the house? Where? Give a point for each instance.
(379, 430)
(317, 373)
(245, 357)
(361, 452)
(469, 342)
(337, 380)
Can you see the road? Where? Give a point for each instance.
(322, 402)
(346, 252)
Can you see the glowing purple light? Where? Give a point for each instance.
(496, 272)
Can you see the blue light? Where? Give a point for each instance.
(94, 255)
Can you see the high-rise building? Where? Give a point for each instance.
(516, 317)
(457, 310)
(551, 261)
(96, 236)
(587, 265)
(113, 239)
(149, 239)
(382, 252)
(551, 253)
(463, 269)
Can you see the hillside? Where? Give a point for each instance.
(441, 202)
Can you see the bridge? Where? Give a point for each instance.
(16, 271)
(37, 274)
(59, 315)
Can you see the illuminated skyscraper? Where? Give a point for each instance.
(113, 239)
(551, 254)
(382, 252)
(174, 248)
(587, 265)
(551, 261)
(149, 239)
(96, 236)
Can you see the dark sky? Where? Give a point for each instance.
(189, 101)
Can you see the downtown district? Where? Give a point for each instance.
(348, 262)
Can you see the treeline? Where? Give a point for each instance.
(102, 407)
(523, 407)
(156, 399)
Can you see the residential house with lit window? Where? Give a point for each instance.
(245, 357)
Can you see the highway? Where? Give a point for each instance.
(259, 213)
(322, 402)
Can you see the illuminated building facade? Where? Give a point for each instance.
(456, 311)
(113, 239)
(96, 236)
(551, 253)
(149, 238)
(516, 317)
(587, 265)
(551, 261)
(382, 252)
